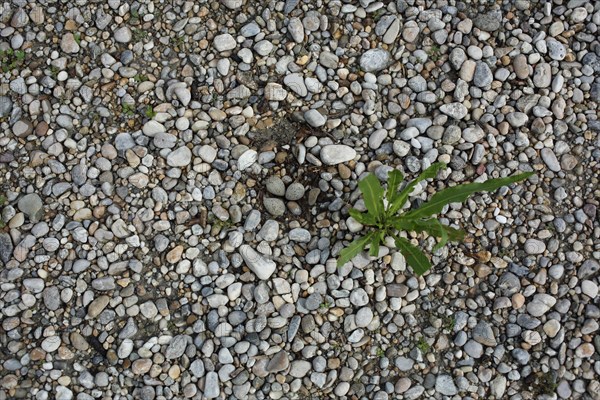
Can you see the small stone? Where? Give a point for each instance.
(275, 207)
(314, 118)
(590, 289)
(534, 246)
(68, 44)
(123, 35)
(224, 42)
(483, 333)
(300, 368)
(279, 362)
(586, 350)
(550, 159)
(541, 304)
(51, 344)
(521, 66)
(483, 75)
(275, 92)
(295, 191)
(296, 83)
(444, 384)
(411, 31)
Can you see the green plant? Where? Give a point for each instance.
(423, 345)
(449, 323)
(380, 352)
(11, 59)
(386, 218)
(434, 53)
(325, 305)
(149, 112)
(128, 109)
(140, 78)
(139, 35)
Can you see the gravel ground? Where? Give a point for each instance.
(176, 178)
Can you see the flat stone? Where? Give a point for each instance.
(176, 347)
(550, 159)
(314, 118)
(279, 362)
(6, 247)
(295, 82)
(483, 75)
(31, 205)
(334, 154)
(454, 110)
(211, 385)
(444, 384)
(375, 60)
(483, 333)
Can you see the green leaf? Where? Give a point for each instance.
(414, 257)
(395, 178)
(444, 236)
(354, 248)
(363, 218)
(372, 194)
(432, 226)
(401, 199)
(460, 193)
(375, 242)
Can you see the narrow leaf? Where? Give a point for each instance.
(414, 257)
(353, 249)
(401, 199)
(363, 218)
(372, 194)
(459, 193)
(431, 226)
(395, 178)
(375, 242)
(444, 236)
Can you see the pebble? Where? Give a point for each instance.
(262, 267)
(375, 60)
(336, 154)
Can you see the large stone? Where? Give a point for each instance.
(180, 157)
(32, 206)
(333, 154)
(375, 60)
(224, 42)
(262, 267)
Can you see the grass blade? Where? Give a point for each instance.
(395, 178)
(460, 193)
(372, 195)
(414, 257)
(354, 248)
(401, 198)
